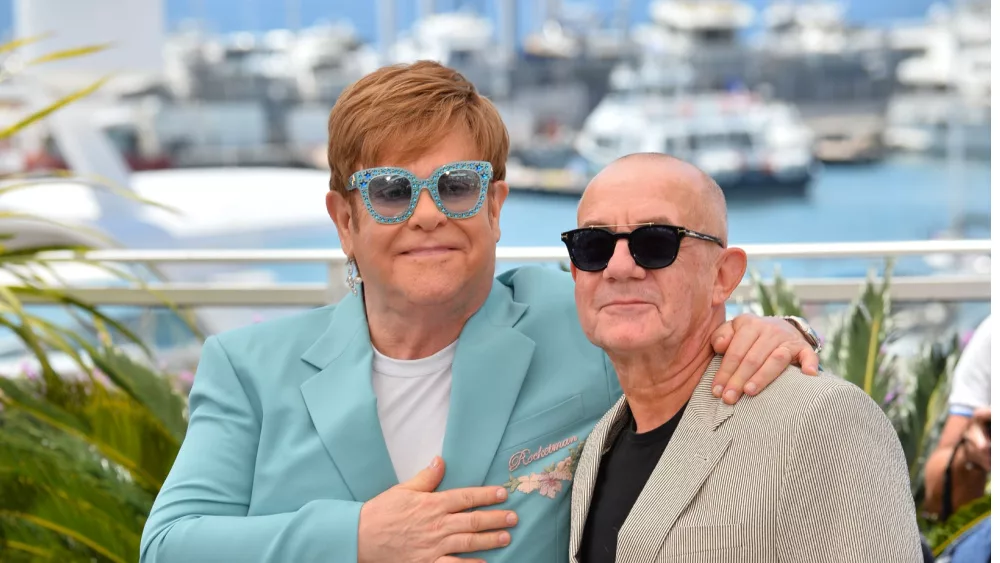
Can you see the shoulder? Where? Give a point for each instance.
(298, 328)
(551, 321)
(796, 397)
(977, 351)
(538, 285)
(547, 294)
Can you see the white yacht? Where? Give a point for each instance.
(944, 105)
(703, 34)
(738, 138)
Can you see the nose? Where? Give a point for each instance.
(622, 267)
(426, 215)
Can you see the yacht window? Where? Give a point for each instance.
(605, 142)
(741, 139)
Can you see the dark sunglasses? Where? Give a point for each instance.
(651, 246)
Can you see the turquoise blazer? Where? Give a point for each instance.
(284, 444)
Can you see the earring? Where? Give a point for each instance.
(353, 275)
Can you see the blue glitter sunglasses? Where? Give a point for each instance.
(390, 194)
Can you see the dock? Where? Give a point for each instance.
(844, 138)
(546, 180)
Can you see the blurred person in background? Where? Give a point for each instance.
(959, 468)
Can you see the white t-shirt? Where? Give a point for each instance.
(971, 386)
(412, 400)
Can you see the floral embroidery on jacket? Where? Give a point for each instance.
(549, 481)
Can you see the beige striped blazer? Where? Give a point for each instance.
(809, 470)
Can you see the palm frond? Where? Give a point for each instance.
(117, 427)
(52, 108)
(93, 181)
(16, 44)
(855, 350)
(41, 490)
(920, 422)
(71, 53)
(81, 458)
(776, 299)
(147, 388)
(24, 542)
(61, 298)
(943, 535)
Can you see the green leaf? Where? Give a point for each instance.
(148, 388)
(47, 486)
(855, 350)
(81, 458)
(112, 423)
(927, 389)
(776, 299)
(941, 536)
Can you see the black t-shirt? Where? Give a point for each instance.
(624, 470)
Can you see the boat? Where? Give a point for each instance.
(739, 138)
(943, 106)
(703, 34)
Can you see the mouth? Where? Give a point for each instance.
(627, 303)
(428, 251)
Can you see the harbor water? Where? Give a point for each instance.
(902, 198)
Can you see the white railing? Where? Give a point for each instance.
(952, 287)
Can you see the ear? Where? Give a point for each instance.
(499, 191)
(342, 214)
(731, 266)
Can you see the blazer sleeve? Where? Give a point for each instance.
(200, 513)
(846, 492)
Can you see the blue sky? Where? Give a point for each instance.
(230, 15)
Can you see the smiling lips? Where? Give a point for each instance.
(428, 251)
(626, 303)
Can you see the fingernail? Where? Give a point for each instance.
(435, 463)
(501, 494)
(512, 518)
(504, 538)
(751, 387)
(731, 395)
(717, 390)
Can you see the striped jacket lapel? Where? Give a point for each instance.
(600, 439)
(692, 453)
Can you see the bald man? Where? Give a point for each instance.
(809, 469)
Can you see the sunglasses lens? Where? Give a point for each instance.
(655, 246)
(390, 194)
(591, 249)
(459, 190)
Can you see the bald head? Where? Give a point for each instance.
(695, 199)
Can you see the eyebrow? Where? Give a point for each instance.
(660, 220)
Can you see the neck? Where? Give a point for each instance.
(657, 382)
(412, 332)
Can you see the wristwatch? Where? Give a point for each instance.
(807, 331)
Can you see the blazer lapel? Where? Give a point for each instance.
(341, 402)
(692, 453)
(491, 361)
(587, 467)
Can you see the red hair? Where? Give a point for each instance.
(407, 109)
